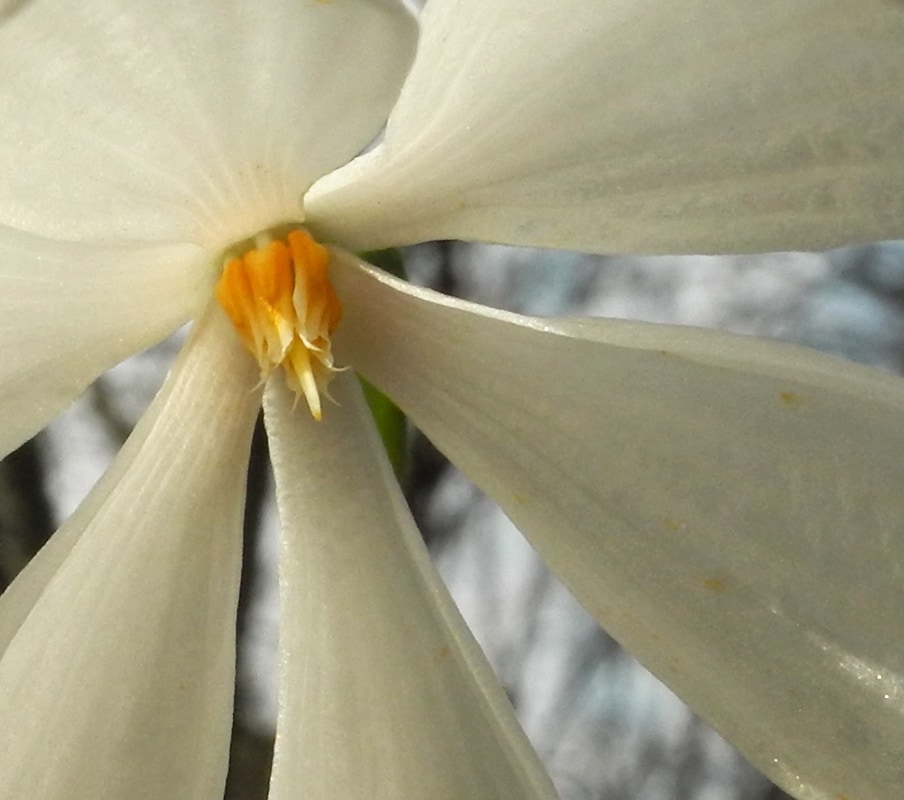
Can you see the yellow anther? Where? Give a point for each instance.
(284, 309)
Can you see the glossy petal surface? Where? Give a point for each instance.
(69, 312)
(187, 120)
(383, 692)
(641, 125)
(729, 509)
(117, 679)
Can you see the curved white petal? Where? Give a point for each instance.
(117, 680)
(187, 120)
(729, 509)
(69, 312)
(383, 691)
(640, 125)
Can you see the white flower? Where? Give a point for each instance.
(729, 509)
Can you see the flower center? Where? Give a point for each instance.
(281, 302)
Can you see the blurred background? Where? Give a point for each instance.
(606, 729)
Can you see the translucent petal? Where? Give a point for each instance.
(728, 508)
(117, 680)
(383, 691)
(68, 312)
(187, 120)
(640, 125)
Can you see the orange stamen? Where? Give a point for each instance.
(285, 309)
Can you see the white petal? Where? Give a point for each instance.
(383, 690)
(187, 120)
(728, 508)
(118, 680)
(641, 125)
(69, 312)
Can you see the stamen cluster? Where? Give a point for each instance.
(284, 308)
